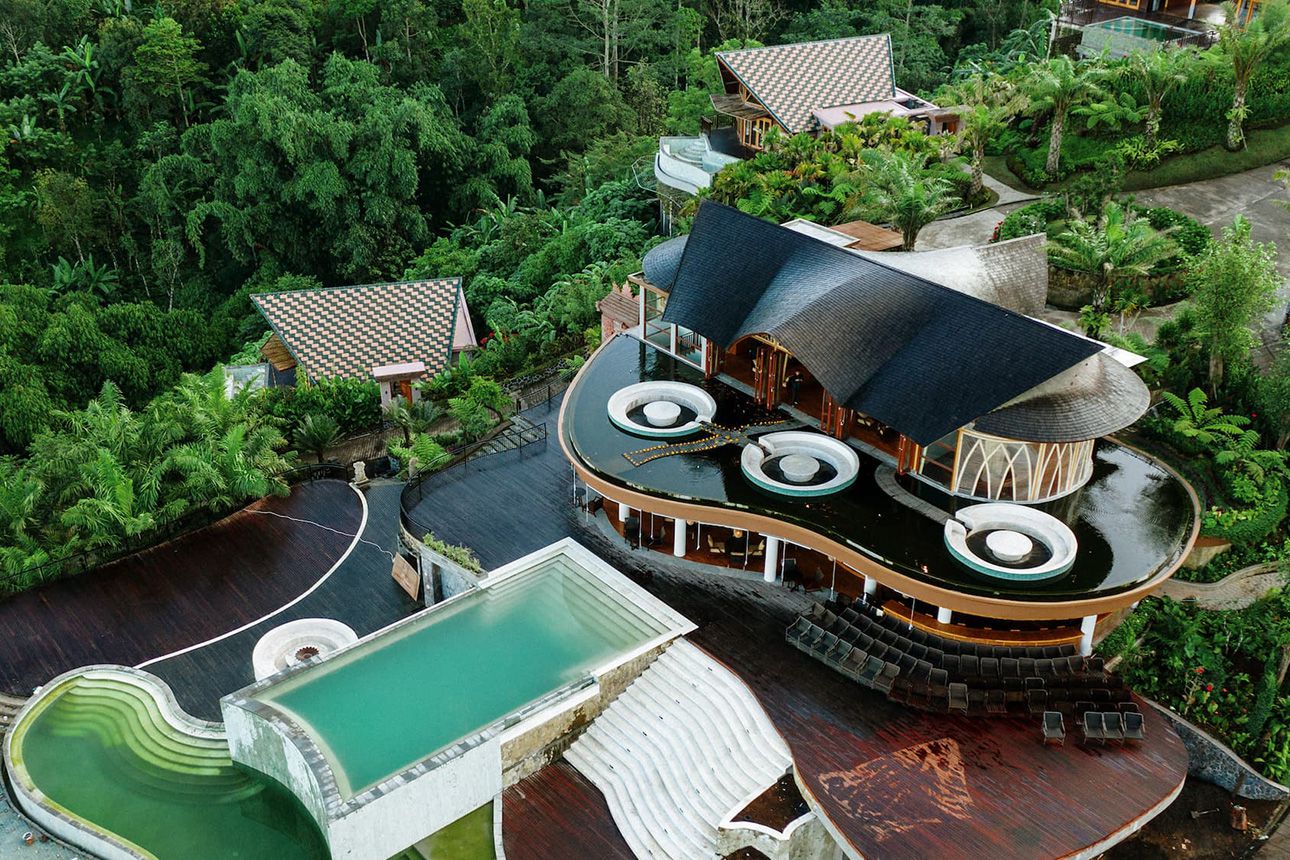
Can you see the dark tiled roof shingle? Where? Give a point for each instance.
(793, 80)
(919, 357)
(346, 331)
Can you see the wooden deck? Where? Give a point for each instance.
(360, 593)
(176, 594)
(557, 812)
(897, 783)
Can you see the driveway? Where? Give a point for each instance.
(1212, 202)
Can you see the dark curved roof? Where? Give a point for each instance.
(1094, 398)
(917, 356)
(662, 261)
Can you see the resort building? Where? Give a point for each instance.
(393, 333)
(806, 87)
(846, 421)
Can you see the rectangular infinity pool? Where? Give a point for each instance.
(401, 696)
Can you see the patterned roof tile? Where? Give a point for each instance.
(346, 331)
(793, 80)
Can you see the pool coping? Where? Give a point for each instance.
(336, 804)
(58, 820)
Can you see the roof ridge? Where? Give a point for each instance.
(407, 283)
(724, 54)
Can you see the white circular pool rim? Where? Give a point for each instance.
(279, 648)
(625, 399)
(838, 454)
(1040, 527)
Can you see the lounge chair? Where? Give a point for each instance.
(851, 615)
(872, 668)
(1044, 668)
(838, 653)
(959, 698)
(1054, 728)
(886, 678)
(1128, 708)
(1033, 682)
(1026, 666)
(808, 640)
(853, 664)
(989, 667)
(1082, 707)
(950, 662)
(1133, 730)
(996, 702)
(940, 678)
(921, 673)
(1093, 728)
(1009, 667)
(1113, 727)
(969, 666)
(1036, 702)
(918, 651)
(825, 644)
(797, 629)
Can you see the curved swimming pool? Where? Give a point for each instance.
(102, 760)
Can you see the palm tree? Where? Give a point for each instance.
(411, 418)
(1058, 85)
(1158, 72)
(1116, 245)
(987, 103)
(1246, 44)
(316, 434)
(112, 511)
(896, 187)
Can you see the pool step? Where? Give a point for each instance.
(9, 708)
(677, 752)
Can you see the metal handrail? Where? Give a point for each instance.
(407, 503)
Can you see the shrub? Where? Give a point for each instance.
(1260, 510)
(462, 555)
(474, 418)
(489, 394)
(354, 404)
(1120, 641)
(425, 449)
(1032, 218)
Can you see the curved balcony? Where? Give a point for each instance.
(688, 163)
(1134, 519)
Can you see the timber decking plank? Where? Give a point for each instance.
(176, 594)
(557, 812)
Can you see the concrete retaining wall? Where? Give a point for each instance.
(1213, 761)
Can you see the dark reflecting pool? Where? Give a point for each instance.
(1131, 519)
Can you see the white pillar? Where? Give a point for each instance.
(944, 615)
(772, 558)
(1086, 634)
(870, 587)
(678, 537)
(624, 511)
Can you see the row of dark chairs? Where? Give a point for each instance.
(1069, 670)
(953, 646)
(903, 669)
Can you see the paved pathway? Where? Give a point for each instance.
(12, 828)
(1216, 202)
(1235, 591)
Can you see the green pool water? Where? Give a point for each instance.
(384, 705)
(99, 748)
(1142, 29)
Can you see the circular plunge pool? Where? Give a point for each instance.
(1008, 541)
(800, 463)
(660, 408)
(297, 641)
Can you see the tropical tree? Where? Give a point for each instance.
(1057, 86)
(1158, 73)
(1232, 282)
(987, 103)
(411, 418)
(316, 434)
(897, 187)
(1115, 245)
(1246, 42)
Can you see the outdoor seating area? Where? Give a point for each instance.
(930, 673)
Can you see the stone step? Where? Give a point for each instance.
(677, 751)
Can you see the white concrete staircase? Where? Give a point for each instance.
(677, 752)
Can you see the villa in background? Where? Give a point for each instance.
(864, 423)
(805, 87)
(393, 333)
(1116, 28)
